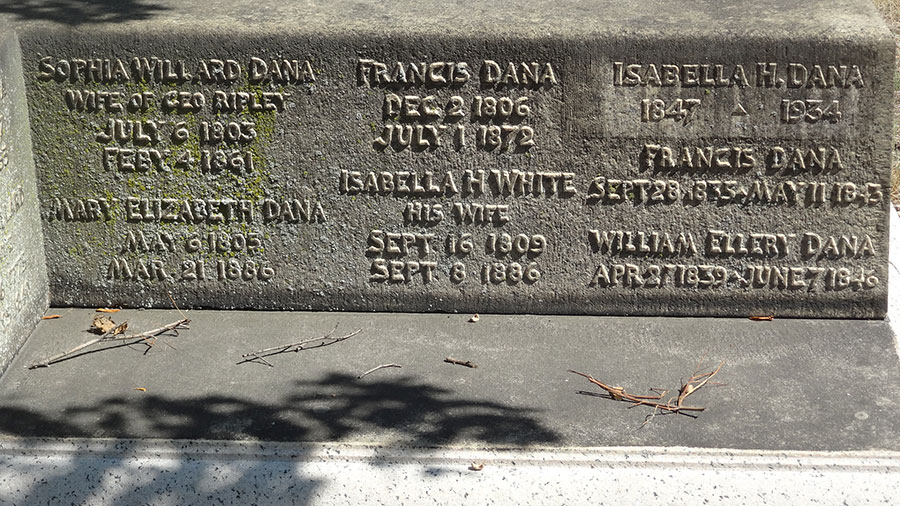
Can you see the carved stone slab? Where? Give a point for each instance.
(23, 276)
(538, 159)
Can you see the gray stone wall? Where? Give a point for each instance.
(732, 164)
(23, 275)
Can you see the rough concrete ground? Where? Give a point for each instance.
(791, 384)
(417, 435)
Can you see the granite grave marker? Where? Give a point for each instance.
(581, 162)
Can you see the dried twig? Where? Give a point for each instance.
(619, 394)
(111, 337)
(175, 305)
(261, 359)
(696, 381)
(675, 404)
(305, 344)
(382, 366)
(466, 363)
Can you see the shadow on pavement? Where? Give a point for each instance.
(337, 407)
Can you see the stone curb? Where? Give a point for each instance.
(91, 471)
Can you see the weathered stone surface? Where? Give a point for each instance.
(23, 276)
(708, 159)
(790, 384)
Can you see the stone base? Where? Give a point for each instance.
(790, 384)
(810, 412)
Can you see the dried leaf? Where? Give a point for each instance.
(141, 389)
(763, 318)
(102, 325)
(120, 329)
(476, 466)
(474, 318)
(107, 310)
(50, 317)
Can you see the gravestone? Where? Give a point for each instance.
(580, 163)
(657, 158)
(23, 276)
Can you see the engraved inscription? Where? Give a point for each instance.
(767, 75)
(515, 175)
(755, 276)
(420, 122)
(176, 130)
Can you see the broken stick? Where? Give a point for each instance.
(382, 366)
(619, 394)
(106, 338)
(466, 363)
(696, 381)
(306, 344)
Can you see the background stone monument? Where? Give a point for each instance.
(23, 275)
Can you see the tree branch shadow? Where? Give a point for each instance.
(335, 407)
(400, 411)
